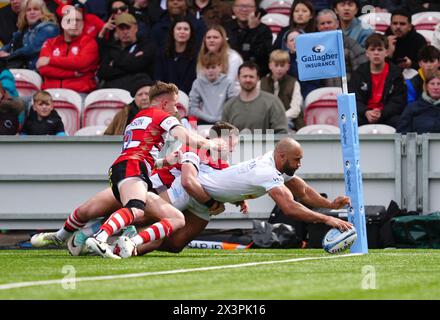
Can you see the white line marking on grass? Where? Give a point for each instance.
(158, 273)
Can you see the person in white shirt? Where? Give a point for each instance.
(272, 173)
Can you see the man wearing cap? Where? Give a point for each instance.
(127, 58)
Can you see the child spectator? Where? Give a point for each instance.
(378, 85)
(42, 118)
(210, 90)
(429, 61)
(10, 110)
(286, 87)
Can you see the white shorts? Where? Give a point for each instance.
(181, 200)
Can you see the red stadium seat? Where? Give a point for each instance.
(425, 20)
(275, 21)
(68, 104)
(27, 81)
(277, 6)
(101, 106)
(322, 107)
(379, 21)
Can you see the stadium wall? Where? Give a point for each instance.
(42, 179)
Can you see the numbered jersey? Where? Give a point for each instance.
(143, 137)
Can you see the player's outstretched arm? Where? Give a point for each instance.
(195, 189)
(295, 210)
(309, 196)
(192, 139)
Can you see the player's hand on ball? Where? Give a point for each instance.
(340, 202)
(339, 224)
(244, 207)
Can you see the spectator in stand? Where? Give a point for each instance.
(140, 91)
(124, 59)
(429, 61)
(302, 17)
(43, 119)
(306, 86)
(247, 35)
(70, 60)
(423, 115)
(175, 9)
(285, 87)
(404, 41)
(92, 23)
(352, 27)
(215, 41)
(8, 20)
(7, 79)
(147, 11)
(177, 62)
(253, 109)
(211, 11)
(210, 90)
(35, 25)
(354, 53)
(10, 109)
(116, 8)
(378, 85)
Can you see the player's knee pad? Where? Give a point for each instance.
(135, 203)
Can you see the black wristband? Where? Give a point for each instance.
(210, 203)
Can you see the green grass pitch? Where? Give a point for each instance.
(382, 274)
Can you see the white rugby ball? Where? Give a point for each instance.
(336, 241)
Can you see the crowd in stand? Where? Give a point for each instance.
(221, 55)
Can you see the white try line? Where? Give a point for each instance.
(158, 273)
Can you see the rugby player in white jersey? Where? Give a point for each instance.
(272, 173)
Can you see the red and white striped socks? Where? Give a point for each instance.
(72, 224)
(121, 218)
(159, 230)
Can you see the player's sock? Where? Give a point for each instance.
(72, 224)
(159, 230)
(121, 218)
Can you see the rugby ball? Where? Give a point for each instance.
(336, 241)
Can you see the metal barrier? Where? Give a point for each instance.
(42, 179)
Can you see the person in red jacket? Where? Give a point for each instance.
(70, 60)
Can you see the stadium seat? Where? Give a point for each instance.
(27, 81)
(319, 129)
(376, 129)
(379, 21)
(277, 6)
(68, 104)
(101, 106)
(321, 106)
(428, 34)
(203, 129)
(91, 131)
(183, 104)
(425, 20)
(275, 21)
